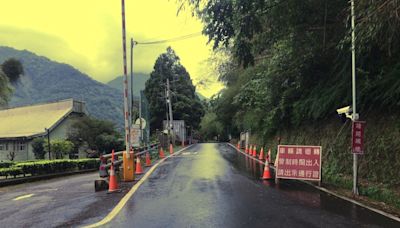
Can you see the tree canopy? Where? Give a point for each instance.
(291, 60)
(185, 103)
(10, 71)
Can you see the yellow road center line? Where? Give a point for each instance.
(23, 197)
(125, 199)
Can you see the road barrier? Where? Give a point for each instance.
(107, 163)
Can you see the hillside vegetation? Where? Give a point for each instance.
(287, 68)
(45, 80)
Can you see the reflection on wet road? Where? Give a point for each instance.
(211, 185)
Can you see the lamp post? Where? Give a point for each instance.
(48, 142)
(353, 79)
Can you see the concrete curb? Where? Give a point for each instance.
(391, 216)
(21, 180)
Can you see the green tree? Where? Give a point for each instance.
(10, 71)
(59, 148)
(38, 148)
(210, 127)
(185, 103)
(99, 135)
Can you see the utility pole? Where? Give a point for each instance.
(132, 101)
(140, 118)
(353, 74)
(171, 118)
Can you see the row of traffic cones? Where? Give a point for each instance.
(113, 184)
(252, 151)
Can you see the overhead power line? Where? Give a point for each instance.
(174, 39)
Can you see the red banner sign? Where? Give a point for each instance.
(358, 137)
(299, 162)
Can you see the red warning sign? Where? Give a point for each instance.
(299, 162)
(358, 137)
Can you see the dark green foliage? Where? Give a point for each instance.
(38, 149)
(45, 81)
(10, 71)
(186, 105)
(59, 148)
(99, 135)
(6, 164)
(13, 69)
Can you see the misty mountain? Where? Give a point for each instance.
(46, 80)
(139, 81)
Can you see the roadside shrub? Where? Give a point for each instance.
(49, 167)
(12, 171)
(6, 164)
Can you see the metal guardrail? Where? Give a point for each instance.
(104, 159)
(141, 150)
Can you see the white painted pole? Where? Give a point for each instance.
(127, 113)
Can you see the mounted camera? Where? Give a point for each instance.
(344, 113)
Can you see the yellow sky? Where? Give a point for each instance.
(87, 35)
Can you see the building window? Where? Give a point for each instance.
(2, 147)
(21, 146)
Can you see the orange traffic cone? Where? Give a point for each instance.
(254, 151)
(261, 156)
(171, 149)
(251, 150)
(267, 173)
(148, 160)
(113, 184)
(238, 146)
(161, 154)
(139, 169)
(246, 150)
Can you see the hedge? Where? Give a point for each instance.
(6, 164)
(49, 167)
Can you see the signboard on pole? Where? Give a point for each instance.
(299, 162)
(358, 137)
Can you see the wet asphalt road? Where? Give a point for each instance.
(212, 185)
(60, 202)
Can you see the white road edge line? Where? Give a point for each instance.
(335, 194)
(110, 216)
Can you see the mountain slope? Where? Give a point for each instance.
(139, 81)
(45, 80)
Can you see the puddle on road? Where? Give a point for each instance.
(303, 193)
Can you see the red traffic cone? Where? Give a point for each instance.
(254, 151)
(251, 150)
(113, 184)
(171, 149)
(267, 173)
(148, 160)
(161, 154)
(246, 150)
(261, 156)
(139, 169)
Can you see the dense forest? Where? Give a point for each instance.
(286, 65)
